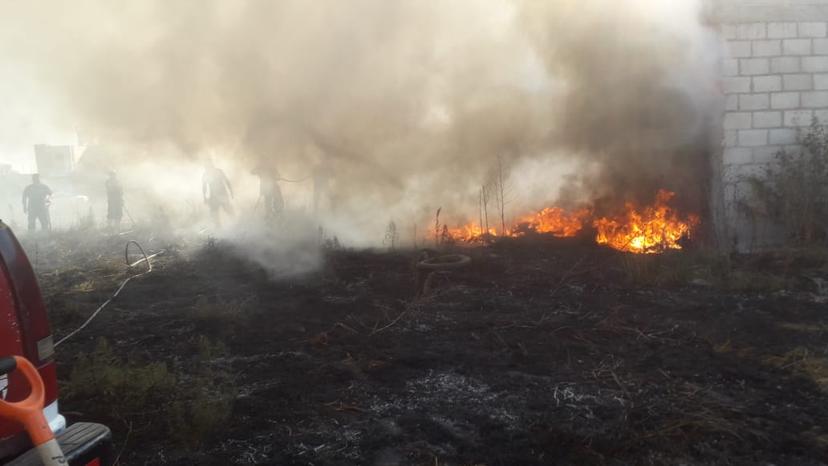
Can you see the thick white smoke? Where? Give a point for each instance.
(406, 103)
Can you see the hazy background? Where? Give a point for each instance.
(406, 103)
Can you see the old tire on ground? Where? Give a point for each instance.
(445, 262)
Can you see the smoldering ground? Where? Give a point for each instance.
(406, 105)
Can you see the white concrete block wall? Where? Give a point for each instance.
(775, 80)
(774, 76)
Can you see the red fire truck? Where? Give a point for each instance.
(24, 331)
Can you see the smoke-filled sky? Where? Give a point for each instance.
(407, 103)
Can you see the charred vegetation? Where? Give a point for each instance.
(541, 350)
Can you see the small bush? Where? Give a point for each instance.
(192, 406)
(793, 192)
(118, 388)
(218, 318)
(191, 421)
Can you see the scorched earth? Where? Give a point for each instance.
(541, 351)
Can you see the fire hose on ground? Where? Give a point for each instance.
(146, 258)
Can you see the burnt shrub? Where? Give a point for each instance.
(792, 192)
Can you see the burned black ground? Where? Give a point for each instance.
(541, 352)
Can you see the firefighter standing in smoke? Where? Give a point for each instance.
(114, 201)
(217, 191)
(269, 192)
(36, 200)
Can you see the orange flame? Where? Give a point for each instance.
(650, 230)
(556, 221)
(551, 220)
(469, 233)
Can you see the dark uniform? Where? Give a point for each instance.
(271, 194)
(217, 192)
(36, 204)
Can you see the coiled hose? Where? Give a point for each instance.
(118, 291)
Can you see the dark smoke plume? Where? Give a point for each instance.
(407, 103)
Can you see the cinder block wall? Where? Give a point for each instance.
(775, 80)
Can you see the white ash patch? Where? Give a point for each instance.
(449, 392)
(422, 328)
(255, 388)
(252, 451)
(450, 387)
(567, 395)
(329, 439)
(506, 417)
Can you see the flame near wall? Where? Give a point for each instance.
(407, 104)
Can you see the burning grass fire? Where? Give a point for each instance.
(649, 229)
(556, 221)
(566, 341)
(230, 248)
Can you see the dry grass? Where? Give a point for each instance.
(803, 361)
(194, 405)
(807, 328)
